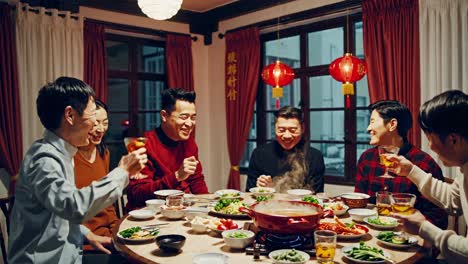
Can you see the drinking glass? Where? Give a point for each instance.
(382, 200)
(175, 201)
(383, 152)
(402, 203)
(325, 246)
(134, 143)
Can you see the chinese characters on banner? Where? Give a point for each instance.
(231, 73)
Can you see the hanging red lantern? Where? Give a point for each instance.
(277, 75)
(348, 69)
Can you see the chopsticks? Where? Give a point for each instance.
(146, 227)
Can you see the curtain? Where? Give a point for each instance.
(11, 149)
(391, 45)
(95, 59)
(242, 74)
(444, 53)
(49, 46)
(179, 62)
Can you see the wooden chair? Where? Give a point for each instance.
(5, 204)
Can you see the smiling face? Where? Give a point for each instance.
(179, 124)
(100, 127)
(288, 132)
(380, 133)
(81, 127)
(446, 150)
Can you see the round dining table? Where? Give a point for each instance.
(212, 242)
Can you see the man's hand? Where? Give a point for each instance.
(187, 168)
(264, 181)
(400, 165)
(138, 176)
(411, 223)
(134, 161)
(99, 242)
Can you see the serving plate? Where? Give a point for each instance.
(228, 193)
(210, 258)
(392, 222)
(142, 214)
(355, 236)
(280, 251)
(232, 216)
(347, 256)
(147, 239)
(412, 240)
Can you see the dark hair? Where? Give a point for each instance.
(389, 109)
(289, 112)
(55, 96)
(101, 147)
(444, 114)
(170, 96)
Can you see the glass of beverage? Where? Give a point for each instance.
(403, 203)
(383, 152)
(382, 200)
(134, 143)
(325, 246)
(174, 201)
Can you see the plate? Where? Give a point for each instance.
(228, 193)
(347, 248)
(136, 240)
(210, 258)
(412, 240)
(336, 212)
(387, 219)
(355, 236)
(280, 251)
(165, 193)
(142, 214)
(232, 216)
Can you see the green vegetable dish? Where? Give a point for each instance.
(230, 195)
(367, 253)
(138, 233)
(310, 199)
(262, 198)
(291, 255)
(237, 235)
(229, 206)
(393, 237)
(379, 221)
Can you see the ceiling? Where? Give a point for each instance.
(204, 5)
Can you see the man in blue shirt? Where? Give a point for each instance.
(48, 212)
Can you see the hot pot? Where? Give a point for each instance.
(285, 217)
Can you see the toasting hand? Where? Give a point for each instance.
(187, 168)
(134, 161)
(399, 165)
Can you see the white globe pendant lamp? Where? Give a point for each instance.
(160, 9)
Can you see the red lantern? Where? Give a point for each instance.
(277, 75)
(348, 69)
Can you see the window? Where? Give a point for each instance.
(339, 133)
(136, 76)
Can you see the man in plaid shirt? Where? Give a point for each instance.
(389, 124)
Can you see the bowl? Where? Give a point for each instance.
(335, 207)
(262, 191)
(162, 194)
(299, 193)
(172, 212)
(355, 200)
(155, 205)
(191, 213)
(170, 243)
(281, 251)
(205, 258)
(228, 193)
(142, 214)
(240, 242)
(199, 227)
(359, 214)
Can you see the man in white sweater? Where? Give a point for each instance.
(444, 121)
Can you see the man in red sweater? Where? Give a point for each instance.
(172, 152)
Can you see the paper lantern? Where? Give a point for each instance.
(160, 9)
(277, 75)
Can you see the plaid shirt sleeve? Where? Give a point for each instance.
(432, 212)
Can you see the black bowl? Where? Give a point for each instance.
(170, 243)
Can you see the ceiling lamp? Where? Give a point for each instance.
(348, 69)
(277, 75)
(160, 9)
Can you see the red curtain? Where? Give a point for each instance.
(95, 59)
(179, 61)
(391, 45)
(10, 126)
(242, 75)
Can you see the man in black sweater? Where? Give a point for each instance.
(289, 162)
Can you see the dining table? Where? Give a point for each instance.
(212, 242)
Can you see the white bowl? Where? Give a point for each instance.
(172, 213)
(164, 193)
(142, 214)
(299, 193)
(210, 258)
(199, 228)
(280, 251)
(335, 211)
(262, 191)
(238, 243)
(155, 205)
(228, 193)
(191, 212)
(359, 214)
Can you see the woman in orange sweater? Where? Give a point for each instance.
(91, 164)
